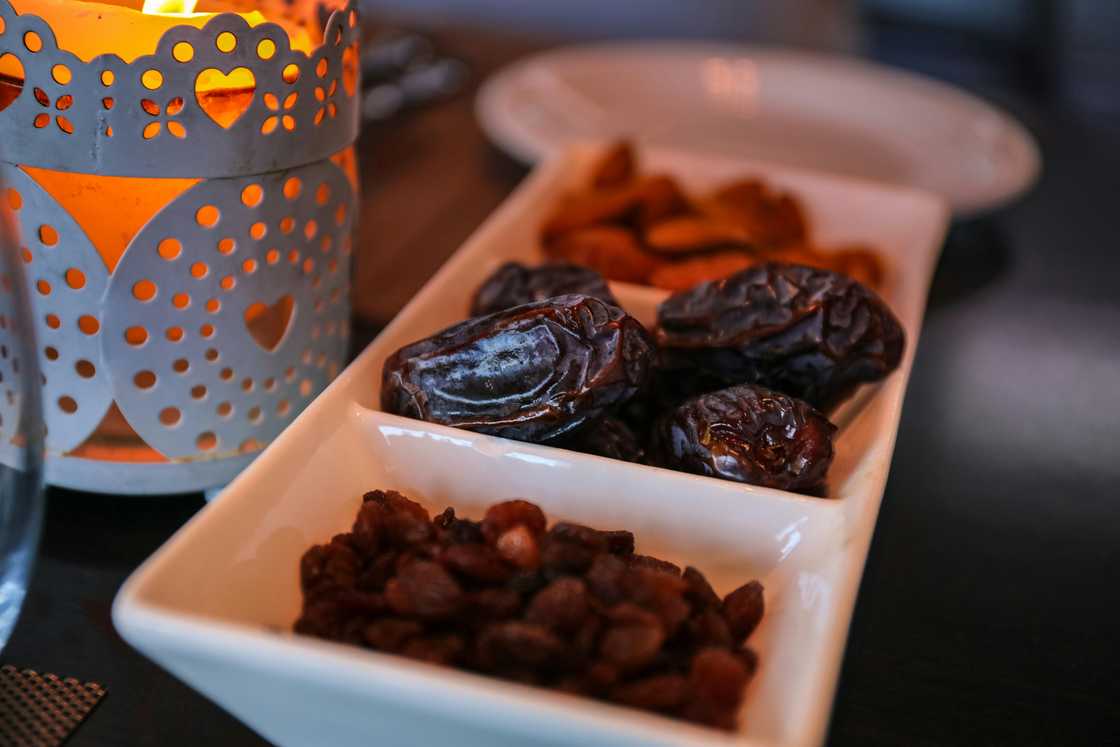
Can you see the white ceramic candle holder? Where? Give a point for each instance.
(186, 221)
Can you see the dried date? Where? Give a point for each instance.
(747, 434)
(514, 284)
(608, 437)
(531, 373)
(808, 332)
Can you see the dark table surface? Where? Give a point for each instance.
(988, 610)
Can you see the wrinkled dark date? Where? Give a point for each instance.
(808, 332)
(532, 373)
(514, 284)
(747, 434)
(609, 437)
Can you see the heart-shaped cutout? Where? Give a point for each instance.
(11, 79)
(269, 324)
(225, 96)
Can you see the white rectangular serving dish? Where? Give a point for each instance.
(216, 603)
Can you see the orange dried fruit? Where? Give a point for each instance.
(769, 218)
(612, 251)
(858, 262)
(583, 209)
(685, 273)
(693, 233)
(659, 197)
(615, 167)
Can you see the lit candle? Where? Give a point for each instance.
(88, 29)
(105, 189)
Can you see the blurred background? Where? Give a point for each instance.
(1066, 50)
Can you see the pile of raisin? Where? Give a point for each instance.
(566, 607)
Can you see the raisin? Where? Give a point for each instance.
(709, 713)
(718, 676)
(391, 633)
(585, 641)
(709, 628)
(747, 434)
(514, 284)
(508, 514)
(632, 639)
(607, 579)
(698, 590)
(457, 531)
(377, 572)
(493, 604)
(572, 547)
(810, 333)
(477, 562)
(444, 520)
(353, 601)
(660, 692)
(439, 649)
(600, 676)
(716, 683)
(531, 373)
(661, 594)
(743, 609)
(519, 644)
(749, 660)
(519, 547)
(320, 618)
(339, 567)
(527, 582)
(592, 539)
(562, 605)
(559, 555)
(654, 564)
(424, 589)
(366, 533)
(403, 522)
(311, 568)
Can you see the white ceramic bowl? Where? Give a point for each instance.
(790, 106)
(215, 604)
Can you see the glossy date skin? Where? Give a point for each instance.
(746, 434)
(808, 332)
(514, 284)
(532, 373)
(608, 437)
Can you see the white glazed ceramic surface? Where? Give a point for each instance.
(215, 605)
(827, 113)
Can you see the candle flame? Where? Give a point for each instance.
(175, 7)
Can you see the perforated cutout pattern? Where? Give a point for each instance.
(224, 383)
(198, 107)
(76, 393)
